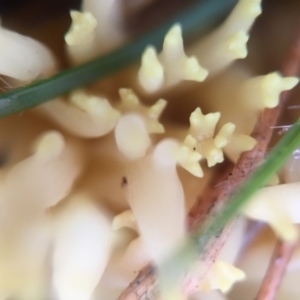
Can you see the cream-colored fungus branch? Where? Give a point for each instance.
(221, 276)
(24, 58)
(125, 219)
(201, 136)
(279, 207)
(132, 136)
(131, 103)
(81, 37)
(155, 193)
(53, 168)
(268, 89)
(171, 66)
(81, 248)
(95, 30)
(24, 227)
(83, 115)
(132, 132)
(248, 95)
(109, 152)
(228, 42)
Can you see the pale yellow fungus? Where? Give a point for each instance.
(171, 66)
(81, 248)
(24, 58)
(248, 95)
(109, 16)
(228, 42)
(268, 88)
(151, 73)
(49, 145)
(243, 15)
(189, 160)
(131, 103)
(238, 144)
(279, 207)
(81, 37)
(132, 132)
(91, 193)
(221, 277)
(82, 29)
(154, 194)
(124, 219)
(237, 44)
(132, 137)
(201, 136)
(84, 115)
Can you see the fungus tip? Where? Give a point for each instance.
(151, 73)
(224, 135)
(132, 137)
(128, 98)
(124, 219)
(173, 42)
(193, 70)
(50, 144)
(83, 26)
(237, 44)
(189, 160)
(157, 108)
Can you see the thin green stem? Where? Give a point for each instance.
(199, 18)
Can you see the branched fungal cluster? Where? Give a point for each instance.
(97, 186)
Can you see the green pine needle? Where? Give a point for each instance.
(198, 19)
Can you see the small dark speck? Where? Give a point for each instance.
(194, 148)
(124, 181)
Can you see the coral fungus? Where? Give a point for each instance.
(96, 185)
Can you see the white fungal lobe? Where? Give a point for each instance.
(228, 42)
(154, 194)
(38, 63)
(279, 207)
(132, 137)
(81, 248)
(85, 115)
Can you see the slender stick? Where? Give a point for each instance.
(281, 256)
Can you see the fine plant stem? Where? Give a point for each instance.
(277, 268)
(198, 19)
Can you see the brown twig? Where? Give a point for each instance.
(275, 273)
(143, 286)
